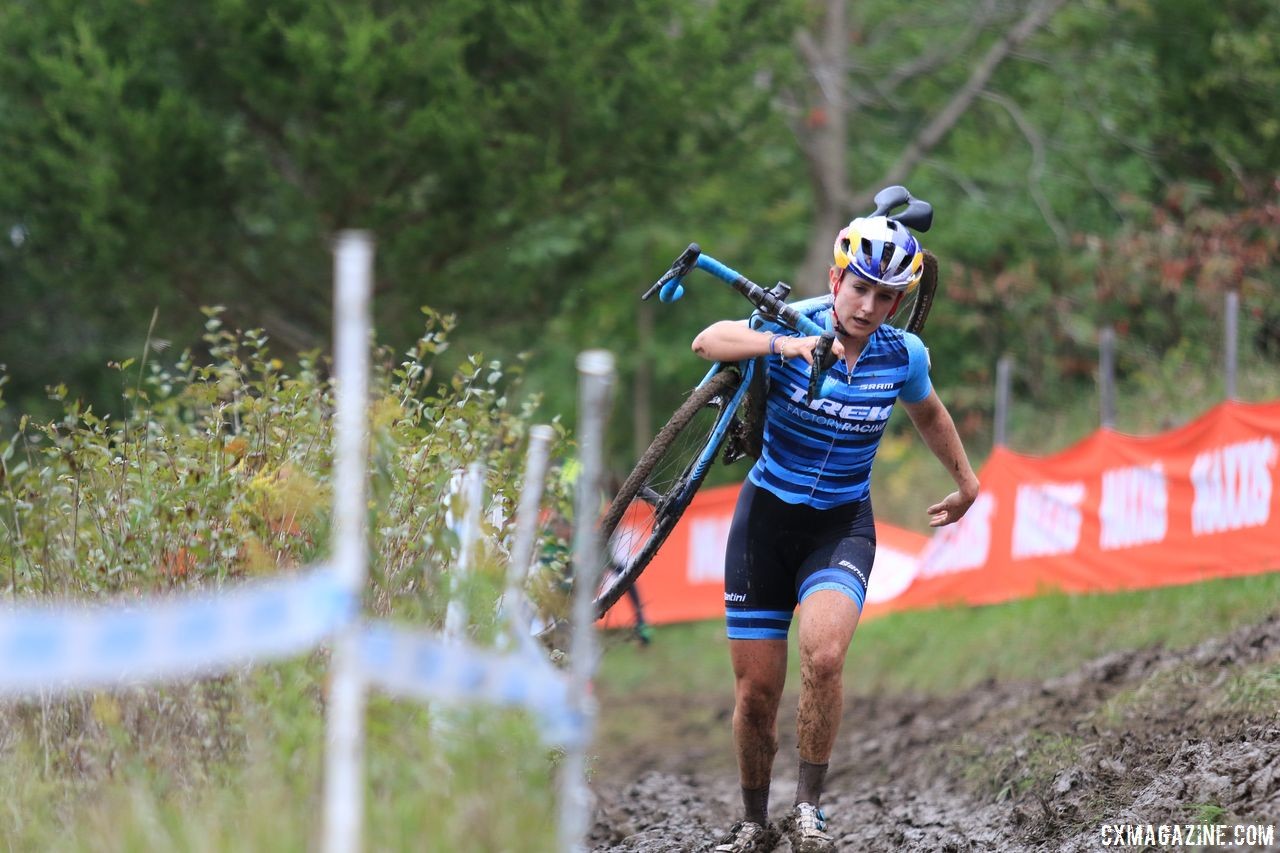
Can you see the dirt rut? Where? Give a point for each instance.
(1146, 737)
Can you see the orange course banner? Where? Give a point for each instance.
(1113, 512)
(685, 580)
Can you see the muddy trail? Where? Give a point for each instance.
(1143, 737)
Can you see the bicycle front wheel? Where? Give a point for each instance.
(661, 486)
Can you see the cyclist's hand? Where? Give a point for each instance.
(803, 348)
(949, 510)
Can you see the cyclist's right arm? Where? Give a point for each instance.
(733, 340)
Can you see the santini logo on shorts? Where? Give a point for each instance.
(736, 597)
(835, 409)
(858, 572)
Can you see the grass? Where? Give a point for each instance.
(1254, 690)
(436, 779)
(1013, 769)
(1206, 812)
(488, 786)
(947, 650)
(1162, 690)
(941, 652)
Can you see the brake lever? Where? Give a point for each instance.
(676, 274)
(823, 360)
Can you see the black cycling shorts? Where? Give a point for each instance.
(779, 553)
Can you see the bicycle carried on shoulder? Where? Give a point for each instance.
(726, 409)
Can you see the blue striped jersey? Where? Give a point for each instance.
(820, 453)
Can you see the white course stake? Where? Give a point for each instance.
(535, 473)
(595, 372)
(344, 736)
(455, 618)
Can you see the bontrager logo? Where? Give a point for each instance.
(737, 597)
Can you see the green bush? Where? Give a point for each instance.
(218, 470)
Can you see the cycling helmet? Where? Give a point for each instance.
(880, 251)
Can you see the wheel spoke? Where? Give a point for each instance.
(663, 486)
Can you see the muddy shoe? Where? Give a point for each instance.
(806, 829)
(748, 837)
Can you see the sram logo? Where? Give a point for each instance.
(876, 386)
(836, 409)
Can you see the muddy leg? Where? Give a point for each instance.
(759, 671)
(827, 622)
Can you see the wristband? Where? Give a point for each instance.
(773, 340)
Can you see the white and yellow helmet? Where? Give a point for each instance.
(880, 251)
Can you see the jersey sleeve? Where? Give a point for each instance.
(770, 327)
(917, 386)
(812, 308)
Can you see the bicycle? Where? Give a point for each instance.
(726, 409)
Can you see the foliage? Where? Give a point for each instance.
(529, 168)
(553, 158)
(221, 470)
(1159, 280)
(207, 154)
(1217, 70)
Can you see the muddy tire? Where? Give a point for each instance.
(748, 435)
(660, 487)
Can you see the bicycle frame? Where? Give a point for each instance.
(764, 301)
(712, 447)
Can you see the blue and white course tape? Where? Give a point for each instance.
(49, 650)
(56, 649)
(408, 663)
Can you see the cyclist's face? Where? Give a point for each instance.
(861, 307)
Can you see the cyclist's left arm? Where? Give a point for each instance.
(934, 423)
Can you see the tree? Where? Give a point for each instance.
(1218, 89)
(860, 73)
(171, 155)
